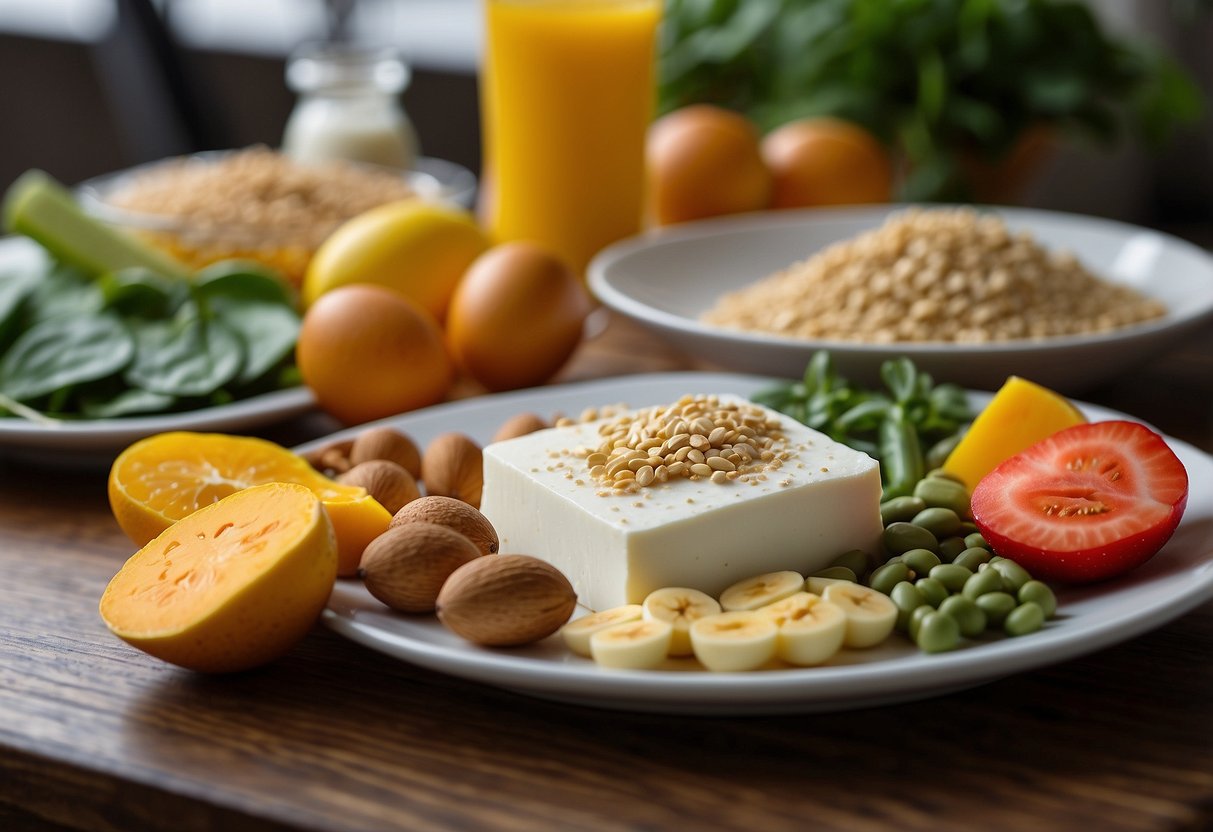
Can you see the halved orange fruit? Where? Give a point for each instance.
(165, 478)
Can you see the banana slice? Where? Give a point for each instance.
(870, 614)
(738, 640)
(635, 645)
(761, 590)
(817, 585)
(679, 606)
(810, 630)
(576, 633)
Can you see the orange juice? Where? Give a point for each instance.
(567, 92)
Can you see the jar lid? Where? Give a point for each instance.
(346, 67)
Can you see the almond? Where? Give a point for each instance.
(520, 425)
(391, 485)
(406, 566)
(454, 514)
(333, 458)
(506, 600)
(386, 443)
(453, 466)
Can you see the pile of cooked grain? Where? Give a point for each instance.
(261, 191)
(934, 275)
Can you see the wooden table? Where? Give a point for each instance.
(94, 735)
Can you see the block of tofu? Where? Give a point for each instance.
(819, 500)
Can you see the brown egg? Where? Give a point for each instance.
(826, 161)
(704, 161)
(368, 352)
(516, 316)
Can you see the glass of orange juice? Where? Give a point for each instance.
(567, 94)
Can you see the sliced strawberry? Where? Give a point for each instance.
(1088, 503)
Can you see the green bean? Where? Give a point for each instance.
(996, 605)
(856, 560)
(941, 474)
(970, 617)
(915, 620)
(938, 453)
(1026, 618)
(1013, 575)
(888, 576)
(908, 598)
(902, 537)
(941, 522)
(975, 540)
(932, 590)
(922, 561)
(968, 527)
(987, 580)
(973, 558)
(950, 547)
(944, 494)
(838, 573)
(1040, 593)
(901, 461)
(900, 509)
(937, 632)
(951, 576)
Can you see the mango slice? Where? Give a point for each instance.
(232, 586)
(1020, 415)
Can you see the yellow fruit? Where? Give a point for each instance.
(165, 478)
(516, 317)
(368, 352)
(1020, 415)
(420, 249)
(826, 161)
(704, 161)
(233, 586)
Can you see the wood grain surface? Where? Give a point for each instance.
(96, 736)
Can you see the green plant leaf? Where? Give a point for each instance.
(61, 352)
(188, 356)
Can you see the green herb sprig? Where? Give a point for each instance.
(910, 426)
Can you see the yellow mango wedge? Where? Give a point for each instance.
(1020, 415)
(232, 586)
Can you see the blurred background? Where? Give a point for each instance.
(90, 86)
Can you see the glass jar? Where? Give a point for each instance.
(349, 106)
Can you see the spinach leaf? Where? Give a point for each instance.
(64, 351)
(188, 356)
(129, 402)
(14, 289)
(258, 307)
(141, 292)
(63, 292)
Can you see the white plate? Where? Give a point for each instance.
(1176, 580)
(666, 279)
(99, 440)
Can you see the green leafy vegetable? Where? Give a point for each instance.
(63, 352)
(893, 425)
(189, 356)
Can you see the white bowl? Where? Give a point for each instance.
(666, 279)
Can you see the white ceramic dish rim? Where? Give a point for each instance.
(820, 688)
(605, 289)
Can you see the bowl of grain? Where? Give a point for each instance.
(972, 295)
(257, 203)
